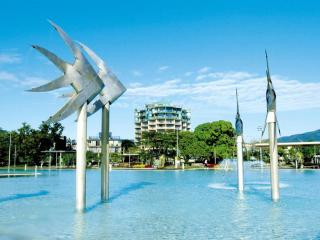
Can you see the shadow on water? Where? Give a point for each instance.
(122, 192)
(23, 195)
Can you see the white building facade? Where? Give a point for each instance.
(160, 117)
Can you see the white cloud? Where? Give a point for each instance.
(224, 75)
(217, 93)
(163, 68)
(9, 58)
(204, 70)
(19, 81)
(135, 84)
(32, 82)
(7, 76)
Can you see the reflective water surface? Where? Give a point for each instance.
(201, 204)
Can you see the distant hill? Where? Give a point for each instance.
(303, 137)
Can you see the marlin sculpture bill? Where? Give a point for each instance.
(239, 123)
(270, 97)
(80, 75)
(113, 87)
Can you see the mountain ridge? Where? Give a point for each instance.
(311, 136)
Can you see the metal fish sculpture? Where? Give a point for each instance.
(270, 93)
(113, 87)
(270, 96)
(80, 75)
(239, 123)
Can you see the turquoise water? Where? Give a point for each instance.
(202, 204)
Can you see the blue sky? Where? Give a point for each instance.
(190, 53)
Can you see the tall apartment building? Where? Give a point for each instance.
(161, 117)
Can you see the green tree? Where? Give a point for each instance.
(191, 147)
(126, 144)
(4, 146)
(219, 136)
(159, 143)
(29, 142)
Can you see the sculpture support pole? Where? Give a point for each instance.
(81, 158)
(272, 127)
(105, 154)
(240, 163)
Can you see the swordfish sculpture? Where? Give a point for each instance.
(111, 92)
(87, 85)
(239, 123)
(239, 133)
(271, 120)
(270, 97)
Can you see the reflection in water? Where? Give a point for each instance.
(131, 187)
(79, 226)
(277, 224)
(24, 195)
(249, 186)
(80, 218)
(240, 216)
(124, 191)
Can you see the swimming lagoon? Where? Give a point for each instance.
(197, 204)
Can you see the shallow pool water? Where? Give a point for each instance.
(200, 204)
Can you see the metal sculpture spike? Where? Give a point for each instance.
(80, 75)
(239, 123)
(270, 96)
(270, 93)
(113, 87)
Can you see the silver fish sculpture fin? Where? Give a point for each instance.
(113, 87)
(58, 62)
(60, 82)
(75, 50)
(67, 95)
(80, 75)
(103, 70)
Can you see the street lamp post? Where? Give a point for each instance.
(15, 157)
(260, 130)
(9, 160)
(177, 150)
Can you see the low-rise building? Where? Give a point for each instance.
(115, 143)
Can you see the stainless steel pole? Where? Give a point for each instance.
(15, 157)
(240, 163)
(261, 160)
(81, 158)
(272, 127)
(50, 159)
(105, 154)
(9, 160)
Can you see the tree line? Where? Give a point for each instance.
(28, 143)
(212, 141)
